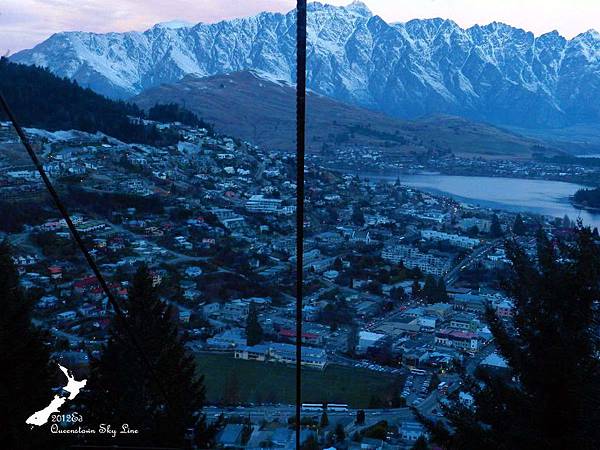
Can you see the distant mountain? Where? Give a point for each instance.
(494, 73)
(262, 110)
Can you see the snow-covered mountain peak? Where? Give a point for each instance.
(494, 72)
(174, 24)
(359, 8)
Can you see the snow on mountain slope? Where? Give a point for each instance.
(495, 72)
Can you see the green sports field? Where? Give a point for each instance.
(260, 382)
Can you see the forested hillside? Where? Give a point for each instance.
(42, 100)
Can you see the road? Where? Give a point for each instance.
(451, 277)
(176, 257)
(283, 412)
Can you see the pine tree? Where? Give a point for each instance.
(442, 291)
(121, 388)
(352, 342)
(337, 264)
(495, 227)
(25, 374)
(397, 294)
(340, 433)
(324, 420)
(205, 434)
(519, 227)
(310, 444)
(430, 289)
(360, 417)
(416, 289)
(358, 217)
(420, 444)
(552, 349)
(254, 332)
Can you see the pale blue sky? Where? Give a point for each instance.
(23, 23)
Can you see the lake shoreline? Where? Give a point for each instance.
(386, 173)
(585, 207)
(547, 198)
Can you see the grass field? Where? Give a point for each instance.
(275, 383)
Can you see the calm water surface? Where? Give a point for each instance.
(549, 198)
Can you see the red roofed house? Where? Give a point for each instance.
(464, 340)
(55, 272)
(307, 338)
(85, 285)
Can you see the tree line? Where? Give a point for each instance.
(40, 99)
(587, 197)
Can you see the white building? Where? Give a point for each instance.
(482, 225)
(412, 257)
(235, 310)
(411, 431)
(367, 339)
(258, 203)
(427, 321)
(452, 239)
(283, 353)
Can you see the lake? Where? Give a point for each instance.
(549, 198)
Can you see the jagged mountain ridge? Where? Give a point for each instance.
(495, 73)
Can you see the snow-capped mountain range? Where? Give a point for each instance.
(495, 73)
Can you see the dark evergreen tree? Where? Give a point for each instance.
(397, 294)
(519, 227)
(324, 422)
(352, 342)
(340, 433)
(358, 217)
(430, 289)
(337, 264)
(310, 444)
(473, 231)
(495, 227)
(121, 388)
(360, 417)
(416, 289)
(551, 346)
(442, 291)
(40, 99)
(420, 444)
(205, 434)
(587, 198)
(172, 112)
(25, 374)
(254, 332)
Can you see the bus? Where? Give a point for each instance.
(418, 371)
(338, 407)
(312, 407)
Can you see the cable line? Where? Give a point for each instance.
(90, 261)
(300, 143)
